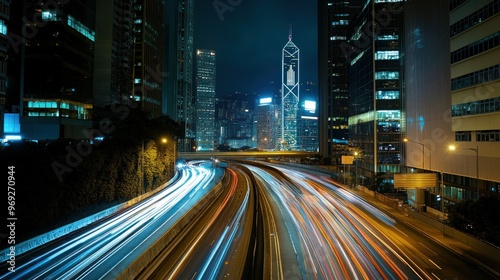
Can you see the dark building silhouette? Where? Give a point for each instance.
(149, 35)
(4, 45)
(178, 72)
(114, 52)
(56, 75)
(333, 78)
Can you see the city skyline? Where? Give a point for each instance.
(249, 37)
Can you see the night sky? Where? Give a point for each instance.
(249, 37)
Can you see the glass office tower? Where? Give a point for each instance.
(205, 100)
(333, 106)
(375, 87)
(289, 95)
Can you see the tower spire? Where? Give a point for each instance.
(290, 32)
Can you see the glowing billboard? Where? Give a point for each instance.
(266, 100)
(310, 105)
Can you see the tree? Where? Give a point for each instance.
(480, 218)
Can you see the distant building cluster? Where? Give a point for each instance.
(63, 61)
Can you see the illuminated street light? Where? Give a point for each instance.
(453, 148)
(356, 170)
(423, 148)
(164, 140)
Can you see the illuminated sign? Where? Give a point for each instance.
(265, 100)
(310, 105)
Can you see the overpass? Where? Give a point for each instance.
(247, 154)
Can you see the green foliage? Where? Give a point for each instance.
(108, 175)
(480, 218)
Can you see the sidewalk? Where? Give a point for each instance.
(492, 265)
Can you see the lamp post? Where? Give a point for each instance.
(164, 140)
(452, 148)
(142, 166)
(356, 170)
(423, 149)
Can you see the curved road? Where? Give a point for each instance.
(337, 235)
(105, 249)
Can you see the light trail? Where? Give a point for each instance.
(108, 247)
(337, 240)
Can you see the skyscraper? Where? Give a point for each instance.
(234, 120)
(205, 100)
(307, 128)
(56, 82)
(267, 132)
(333, 26)
(178, 76)
(290, 61)
(148, 55)
(4, 20)
(114, 51)
(375, 87)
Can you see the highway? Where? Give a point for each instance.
(337, 235)
(262, 221)
(105, 249)
(218, 243)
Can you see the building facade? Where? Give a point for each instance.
(114, 52)
(375, 87)
(234, 120)
(475, 98)
(4, 44)
(205, 100)
(178, 72)
(266, 114)
(148, 55)
(307, 128)
(56, 75)
(290, 61)
(333, 27)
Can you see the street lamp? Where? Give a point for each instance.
(165, 141)
(452, 148)
(142, 166)
(423, 149)
(356, 170)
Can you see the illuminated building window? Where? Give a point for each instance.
(386, 55)
(3, 27)
(81, 28)
(387, 94)
(387, 75)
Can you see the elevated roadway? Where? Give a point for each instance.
(247, 154)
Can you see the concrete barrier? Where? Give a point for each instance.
(169, 238)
